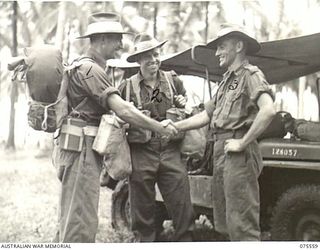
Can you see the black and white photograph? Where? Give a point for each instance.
(160, 122)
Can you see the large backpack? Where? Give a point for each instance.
(47, 80)
(44, 72)
(281, 124)
(307, 130)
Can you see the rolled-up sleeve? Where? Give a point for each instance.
(122, 88)
(95, 82)
(103, 98)
(257, 85)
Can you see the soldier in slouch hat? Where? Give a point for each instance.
(156, 160)
(239, 112)
(90, 95)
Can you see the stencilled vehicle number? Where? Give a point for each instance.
(284, 152)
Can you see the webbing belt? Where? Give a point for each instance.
(228, 134)
(79, 131)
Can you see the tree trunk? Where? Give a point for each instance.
(174, 21)
(61, 24)
(206, 21)
(14, 89)
(155, 15)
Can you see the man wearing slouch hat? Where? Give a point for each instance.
(90, 95)
(239, 112)
(156, 159)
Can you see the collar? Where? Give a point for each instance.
(236, 71)
(92, 53)
(160, 76)
(161, 83)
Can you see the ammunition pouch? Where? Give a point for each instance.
(72, 135)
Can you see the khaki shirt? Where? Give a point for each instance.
(235, 104)
(156, 103)
(90, 80)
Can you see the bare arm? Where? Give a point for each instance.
(260, 123)
(263, 118)
(132, 115)
(196, 121)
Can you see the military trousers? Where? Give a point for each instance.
(236, 201)
(79, 173)
(159, 162)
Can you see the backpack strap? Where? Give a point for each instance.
(133, 80)
(78, 62)
(74, 65)
(136, 89)
(60, 112)
(128, 90)
(66, 76)
(172, 87)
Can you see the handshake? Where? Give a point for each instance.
(169, 130)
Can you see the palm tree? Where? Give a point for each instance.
(14, 90)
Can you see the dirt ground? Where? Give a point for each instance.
(29, 201)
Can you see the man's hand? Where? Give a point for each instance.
(180, 101)
(169, 129)
(233, 145)
(167, 122)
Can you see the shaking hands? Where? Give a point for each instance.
(169, 129)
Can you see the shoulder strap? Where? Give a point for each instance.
(76, 64)
(172, 88)
(136, 89)
(169, 78)
(65, 79)
(128, 89)
(62, 106)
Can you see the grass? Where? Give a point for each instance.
(29, 201)
(29, 204)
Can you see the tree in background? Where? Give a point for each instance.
(14, 91)
(184, 24)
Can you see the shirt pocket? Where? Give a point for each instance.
(234, 103)
(241, 106)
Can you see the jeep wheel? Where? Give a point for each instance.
(120, 209)
(297, 215)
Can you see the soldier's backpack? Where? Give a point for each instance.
(281, 124)
(47, 80)
(307, 130)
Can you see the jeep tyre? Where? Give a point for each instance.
(120, 206)
(120, 209)
(296, 215)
